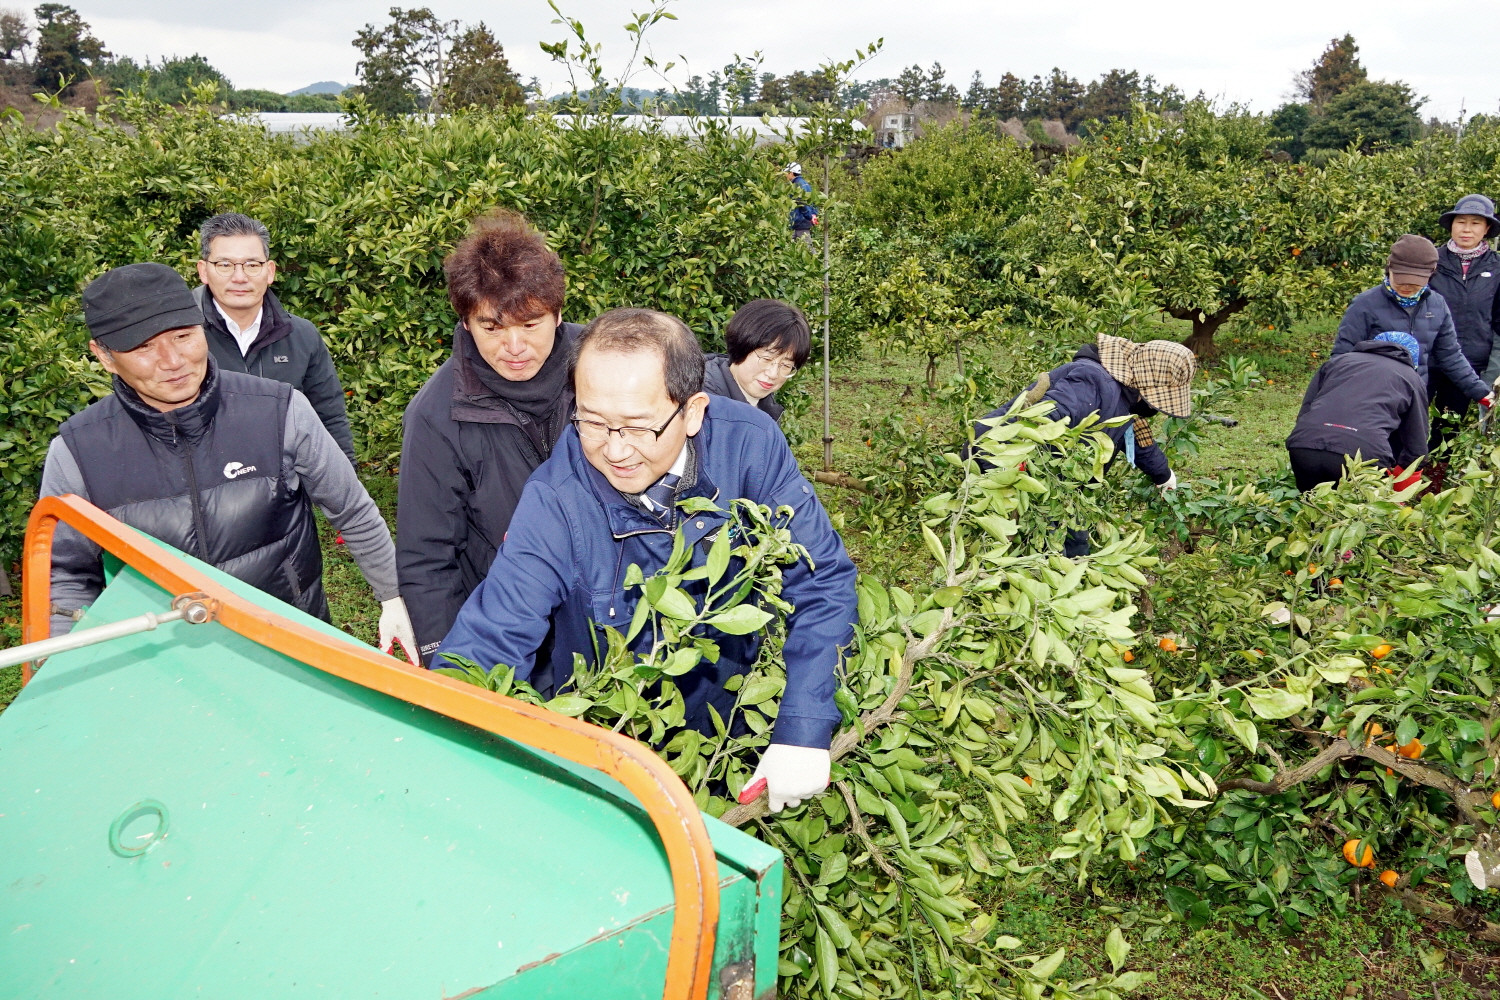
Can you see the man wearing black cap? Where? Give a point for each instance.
(223, 465)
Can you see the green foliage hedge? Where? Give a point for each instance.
(360, 223)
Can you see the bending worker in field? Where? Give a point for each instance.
(645, 436)
(223, 465)
(1112, 378)
(1369, 403)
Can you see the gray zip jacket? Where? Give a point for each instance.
(309, 455)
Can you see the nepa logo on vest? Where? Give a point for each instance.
(235, 470)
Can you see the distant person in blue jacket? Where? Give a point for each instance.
(804, 213)
(645, 436)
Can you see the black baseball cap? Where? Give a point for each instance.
(127, 306)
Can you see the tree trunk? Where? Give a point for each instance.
(1205, 325)
(932, 360)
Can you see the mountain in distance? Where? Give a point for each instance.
(321, 87)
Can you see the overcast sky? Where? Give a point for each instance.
(1234, 52)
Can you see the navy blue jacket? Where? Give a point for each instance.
(560, 572)
(1430, 321)
(803, 212)
(1472, 302)
(1370, 401)
(1082, 387)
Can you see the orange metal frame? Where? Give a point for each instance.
(671, 808)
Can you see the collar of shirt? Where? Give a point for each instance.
(244, 337)
(673, 476)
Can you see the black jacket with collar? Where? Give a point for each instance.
(287, 349)
(1369, 400)
(1472, 302)
(465, 458)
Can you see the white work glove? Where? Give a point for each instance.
(792, 774)
(395, 624)
(1488, 401)
(1171, 483)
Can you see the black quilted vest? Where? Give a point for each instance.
(207, 479)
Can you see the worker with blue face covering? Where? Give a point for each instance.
(1405, 302)
(1368, 402)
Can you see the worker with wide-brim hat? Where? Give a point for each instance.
(1468, 279)
(1116, 377)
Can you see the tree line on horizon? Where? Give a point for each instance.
(419, 62)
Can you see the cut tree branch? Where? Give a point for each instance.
(1464, 798)
(870, 721)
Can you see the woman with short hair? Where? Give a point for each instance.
(767, 340)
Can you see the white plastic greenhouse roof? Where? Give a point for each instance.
(766, 132)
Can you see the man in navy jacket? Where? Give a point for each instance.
(645, 436)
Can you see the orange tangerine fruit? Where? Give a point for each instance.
(1167, 643)
(1390, 878)
(1381, 651)
(1365, 859)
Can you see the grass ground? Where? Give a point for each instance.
(1375, 950)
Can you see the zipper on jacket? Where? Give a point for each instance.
(192, 473)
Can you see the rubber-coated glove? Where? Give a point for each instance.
(792, 774)
(1171, 483)
(1488, 401)
(395, 625)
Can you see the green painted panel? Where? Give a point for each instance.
(323, 838)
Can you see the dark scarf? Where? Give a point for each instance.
(535, 401)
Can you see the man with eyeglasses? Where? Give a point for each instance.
(248, 330)
(645, 437)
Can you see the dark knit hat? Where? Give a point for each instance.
(129, 305)
(1413, 258)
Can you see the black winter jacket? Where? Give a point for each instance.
(465, 457)
(719, 380)
(1082, 387)
(288, 349)
(1370, 401)
(1472, 302)
(1430, 321)
(207, 478)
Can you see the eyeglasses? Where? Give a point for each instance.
(774, 360)
(226, 267)
(595, 432)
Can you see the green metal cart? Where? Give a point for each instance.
(246, 802)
